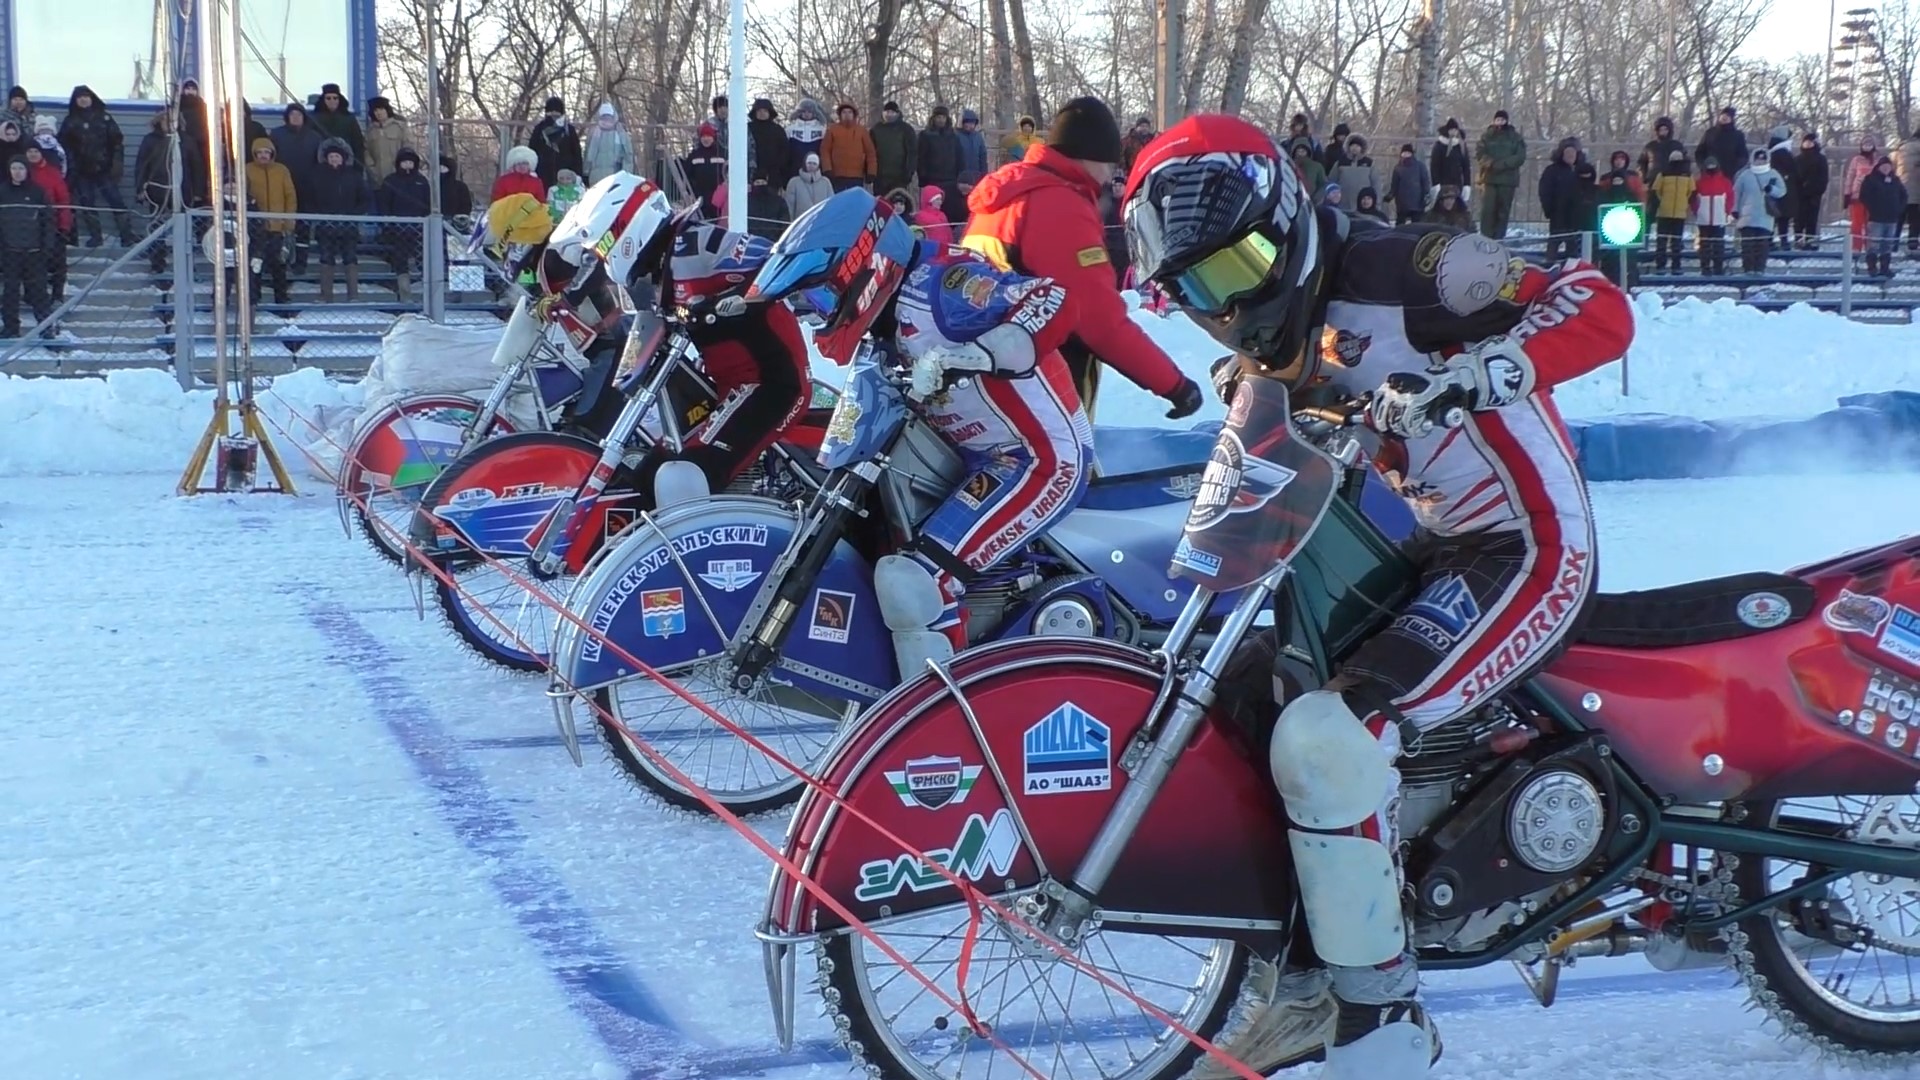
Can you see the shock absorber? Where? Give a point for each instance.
(837, 503)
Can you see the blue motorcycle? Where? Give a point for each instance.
(764, 607)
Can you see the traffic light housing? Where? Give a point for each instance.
(1622, 225)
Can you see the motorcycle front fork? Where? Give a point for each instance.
(772, 614)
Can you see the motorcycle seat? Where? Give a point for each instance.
(1695, 613)
(1144, 467)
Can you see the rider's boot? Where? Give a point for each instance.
(923, 621)
(678, 482)
(1288, 1020)
(1336, 778)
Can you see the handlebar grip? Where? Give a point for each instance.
(1449, 410)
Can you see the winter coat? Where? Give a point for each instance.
(1313, 174)
(1885, 198)
(847, 152)
(1727, 144)
(807, 190)
(340, 123)
(1306, 139)
(1355, 173)
(513, 183)
(26, 217)
(932, 220)
(974, 165)
(767, 214)
(456, 198)
(562, 198)
(272, 189)
(1584, 199)
(1502, 151)
(704, 165)
(1450, 163)
(1130, 146)
(1859, 167)
(1410, 185)
(767, 145)
(298, 148)
(895, 148)
(190, 122)
(46, 176)
(385, 139)
(805, 132)
(608, 150)
(1811, 173)
(1367, 204)
(1459, 217)
(1041, 217)
(1115, 228)
(1909, 167)
(95, 147)
(1672, 195)
(1622, 185)
(1659, 150)
(344, 190)
(406, 194)
(1335, 151)
(1712, 198)
(938, 153)
(1014, 147)
(153, 170)
(556, 146)
(1556, 193)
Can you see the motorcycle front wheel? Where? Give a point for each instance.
(1059, 1018)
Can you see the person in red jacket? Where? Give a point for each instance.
(48, 178)
(1041, 217)
(1424, 319)
(519, 177)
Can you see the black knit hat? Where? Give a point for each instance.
(891, 106)
(1501, 114)
(330, 88)
(554, 104)
(1084, 129)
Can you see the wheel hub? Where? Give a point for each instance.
(1889, 906)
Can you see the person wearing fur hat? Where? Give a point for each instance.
(340, 190)
(1409, 187)
(808, 188)
(556, 143)
(333, 115)
(767, 147)
(26, 238)
(894, 144)
(271, 186)
(1449, 210)
(518, 178)
(1041, 217)
(938, 155)
(19, 108)
(405, 193)
(847, 152)
(1501, 151)
(386, 134)
(1450, 162)
(1023, 135)
(95, 154)
(296, 145)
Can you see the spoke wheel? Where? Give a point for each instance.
(528, 616)
(1840, 968)
(394, 507)
(797, 724)
(1064, 1023)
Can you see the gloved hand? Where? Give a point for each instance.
(1226, 378)
(931, 368)
(1494, 373)
(1186, 399)
(543, 306)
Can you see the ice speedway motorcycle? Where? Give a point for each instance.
(546, 501)
(764, 607)
(1717, 773)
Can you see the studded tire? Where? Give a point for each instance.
(874, 1057)
(1780, 986)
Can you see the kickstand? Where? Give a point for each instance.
(1544, 985)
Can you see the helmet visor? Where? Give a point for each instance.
(1211, 285)
(788, 271)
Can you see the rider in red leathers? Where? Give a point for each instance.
(1417, 315)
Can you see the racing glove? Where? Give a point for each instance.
(1492, 374)
(931, 367)
(1186, 399)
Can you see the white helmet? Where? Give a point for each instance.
(614, 220)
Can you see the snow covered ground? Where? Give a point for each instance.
(287, 829)
(259, 820)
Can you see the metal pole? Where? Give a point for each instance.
(433, 246)
(737, 117)
(1666, 77)
(235, 96)
(211, 96)
(181, 226)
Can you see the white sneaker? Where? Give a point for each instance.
(1382, 1042)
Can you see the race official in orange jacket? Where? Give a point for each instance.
(1041, 217)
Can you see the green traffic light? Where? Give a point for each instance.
(1622, 224)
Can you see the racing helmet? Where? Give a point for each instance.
(1222, 221)
(853, 251)
(614, 222)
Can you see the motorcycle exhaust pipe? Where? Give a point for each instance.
(1687, 953)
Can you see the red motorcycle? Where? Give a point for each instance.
(1714, 773)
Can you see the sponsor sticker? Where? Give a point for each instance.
(619, 519)
(1901, 638)
(984, 846)
(652, 563)
(934, 782)
(1183, 487)
(1343, 348)
(730, 575)
(978, 290)
(955, 277)
(846, 417)
(1857, 613)
(1068, 750)
(663, 613)
(977, 489)
(1891, 701)
(832, 616)
(1764, 610)
(1194, 559)
(1448, 606)
(1234, 483)
(1092, 256)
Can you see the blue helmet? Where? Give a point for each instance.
(850, 254)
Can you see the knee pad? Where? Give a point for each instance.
(678, 482)
(1350, 889)
(1331, 771)
(909, 596)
